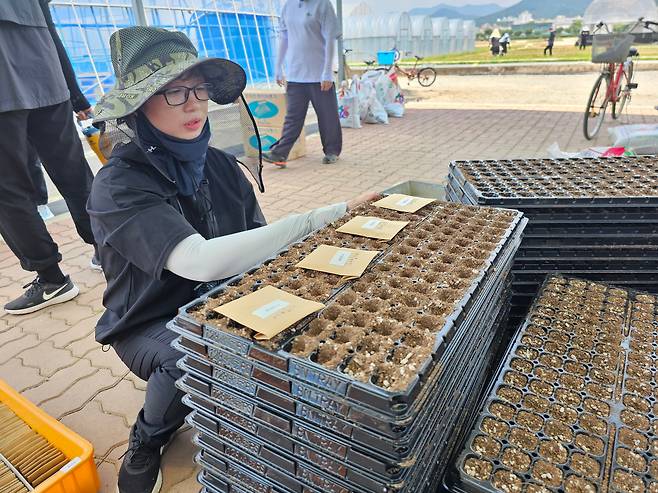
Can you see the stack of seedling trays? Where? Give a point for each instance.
(574, 406)
(591, 218)
(364, 395)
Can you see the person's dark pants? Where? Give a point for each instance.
(36, 175)
(51, 131)
(549, 48)
(148, 354)
(299, 94)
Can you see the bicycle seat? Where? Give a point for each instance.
(633, 51)
(419, 58)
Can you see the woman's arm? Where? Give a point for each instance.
(204, 260)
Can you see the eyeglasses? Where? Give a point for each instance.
(175, 96)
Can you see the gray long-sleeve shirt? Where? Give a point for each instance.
(30, 71)
(308, 30)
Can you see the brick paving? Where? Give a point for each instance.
(52, 358)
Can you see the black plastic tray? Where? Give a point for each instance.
(231, 468)
(428, 457)
(264, 453)
(494, 199)
(368, 395)
(321, 423)
(238, 368)
(455, 482)
(584, 264)
(595, 253)
(334, 443)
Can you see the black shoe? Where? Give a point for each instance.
(140, 471)
(270, 157)
(329, 159)
(40, 294)
(95, 263)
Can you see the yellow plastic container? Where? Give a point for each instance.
(80, 474)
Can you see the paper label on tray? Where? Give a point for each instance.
(346, 262)
(372, 224)
(372, 227)
(340, 259)
(268, 311)
(403, 203)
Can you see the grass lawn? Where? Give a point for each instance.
(530, 50)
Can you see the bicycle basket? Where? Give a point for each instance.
(611, 48)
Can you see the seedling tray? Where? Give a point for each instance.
(621, 348)
(368, 395)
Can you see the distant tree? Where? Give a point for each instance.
(529, 32)
(576, 27)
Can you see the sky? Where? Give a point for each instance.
(400, 5)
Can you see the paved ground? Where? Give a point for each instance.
(51, 356)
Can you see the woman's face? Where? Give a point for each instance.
(185, 121)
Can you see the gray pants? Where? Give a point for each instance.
(325, 106)
(149, 356)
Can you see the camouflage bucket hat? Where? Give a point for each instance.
(145, 59)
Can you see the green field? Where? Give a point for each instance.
(528, 51)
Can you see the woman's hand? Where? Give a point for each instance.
(363, 198)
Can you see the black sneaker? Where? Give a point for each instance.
(95, 263)
(40, 294)
(140, 471)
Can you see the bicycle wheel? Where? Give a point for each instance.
(596, 107)
(625, 92)
(426, 76)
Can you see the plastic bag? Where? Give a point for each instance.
(641, 139)
(370, 109)
(554, 152)
(390, 94)
(348, 106)
(376, 112)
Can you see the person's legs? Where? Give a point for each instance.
(52, 132)
(326, 107)
(149, 355)
(297, 106)
(36, 175)
(20, 223)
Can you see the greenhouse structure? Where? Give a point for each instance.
(421, 32)
(470, 32)
(243, 31)
(620, 11)
(456, 35)
(441, 35)
(365, 35)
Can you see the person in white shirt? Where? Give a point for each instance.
(308, 32)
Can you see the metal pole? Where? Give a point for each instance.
(341, 57)
(140, 14)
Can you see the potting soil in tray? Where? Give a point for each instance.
(577, 208)
(573, 406)
(388, 369)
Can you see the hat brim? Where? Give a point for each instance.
(227, 78)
